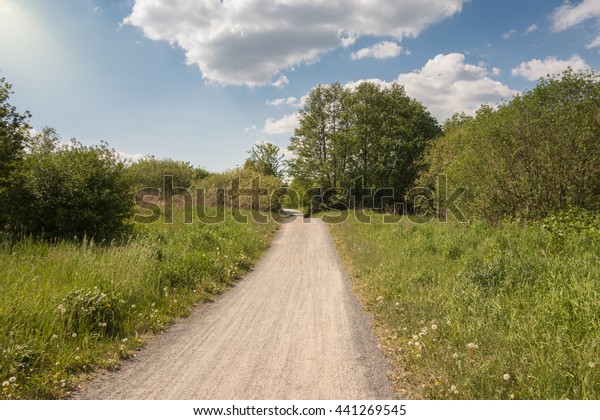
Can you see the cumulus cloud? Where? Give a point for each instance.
(250, 42)
(535, 69)
(447, 84)
(130, 156)
(284, 125)
(382, 50)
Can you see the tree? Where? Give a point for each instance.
(266, 158)
(71, 191)
(372, 133)
(149, 172)
(14, 132)
(535, 155)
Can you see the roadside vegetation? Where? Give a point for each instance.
(82, 284)
(487, 284)
(482, 312)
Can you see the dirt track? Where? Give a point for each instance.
(291, 329)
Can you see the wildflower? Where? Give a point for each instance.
(434, 327)
(5, 383)
(54, 336)
(448, 322)
(12, 379)
(379, 298)
(74, 335)
(132, 306)
(153, 304)
(506, 376)
(455, 355)
(472, 346)
(77, 357)
(592, 365)
(195, 291)
(453, 389)
(415, 337)
(124, 340)
(418, 355)
(175, 301)
(410, 343)
(417, 344)
(397, 304)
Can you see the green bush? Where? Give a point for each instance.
(533, 156)
(72, 191)
(150, 172)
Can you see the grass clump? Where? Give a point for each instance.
(68, 308)
(481, 312)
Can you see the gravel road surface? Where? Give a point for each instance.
(290, 329)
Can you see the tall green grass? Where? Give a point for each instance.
(477, 312)
(67, 309)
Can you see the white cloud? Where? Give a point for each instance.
(130, 156)
(446, 84)
(508, 35)
(535, 69)
(289, 101)
(595, 43)
(251, 128)
(532, 28)
(382, 50)
(569, 15)
(284, 125)
(250, 42)
(496, 71)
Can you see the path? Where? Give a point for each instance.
(290, 329)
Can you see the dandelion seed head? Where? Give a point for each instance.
(415, 337)
(455, 355)
(54, 336)
(472, 346)
(74, 335)
(506, 376)
(434, 327)
(12, 379)
(592, 365)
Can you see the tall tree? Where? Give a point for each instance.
(14, 133)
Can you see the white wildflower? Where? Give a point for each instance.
(455, 355)
(74, 335)
(12, 379)
(592, 365)
(472, 346)
(5, 383)
(434, 327)
(506, 376)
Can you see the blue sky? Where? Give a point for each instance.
(203, 80)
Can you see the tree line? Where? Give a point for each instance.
(532, 156)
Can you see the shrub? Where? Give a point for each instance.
(71, 191)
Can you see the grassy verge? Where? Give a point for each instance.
(476, 312)
(67, 309)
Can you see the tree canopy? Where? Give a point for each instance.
(532, 156)
(372, 133)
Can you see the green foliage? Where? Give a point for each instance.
(149, 172)
(371, 132)
(67, 308)
(478, 312)
(266, 158)
(536, 155)
(240, 186)
(14, 132)
(70, 191)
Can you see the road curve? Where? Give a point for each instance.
(290, 329)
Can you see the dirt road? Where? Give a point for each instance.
(291, 329)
